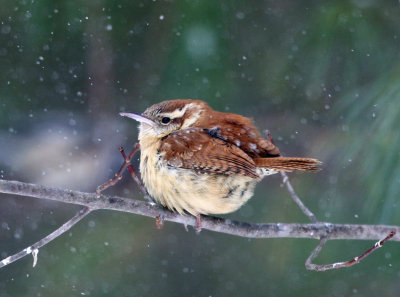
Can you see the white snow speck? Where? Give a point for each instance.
(35, 252)
(252, 146)
(240, 15)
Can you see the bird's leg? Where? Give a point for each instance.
(118, 176)
(198, 223)
(160, 221)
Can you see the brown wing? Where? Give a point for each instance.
(241, 132)
(195, 149)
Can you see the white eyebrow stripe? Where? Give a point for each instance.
(188, 122)
(178, 113)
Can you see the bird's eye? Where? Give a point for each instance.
(165, 120)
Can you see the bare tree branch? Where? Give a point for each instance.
(296, 198)
(118, 176)
(292, 193)
(243, 229)
(34, 248)
(355, 260)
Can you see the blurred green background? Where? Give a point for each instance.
(322, 76)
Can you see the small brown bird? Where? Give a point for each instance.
(201, 161)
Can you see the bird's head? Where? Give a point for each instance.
(168, 116)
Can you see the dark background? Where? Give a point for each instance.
(322, 76)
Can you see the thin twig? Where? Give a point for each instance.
(355, 260)
(244, 229)
(34, 248)
(118, 176)
(132, 171)
(315, 253)
(292, 193)
(296, 198)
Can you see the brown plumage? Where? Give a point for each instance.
(288, 163)
(201, 161)
(195, 149)
(205, 147)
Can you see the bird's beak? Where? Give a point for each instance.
(137, 117)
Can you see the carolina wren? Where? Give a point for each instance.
(201, 161)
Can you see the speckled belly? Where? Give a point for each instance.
(183, 190)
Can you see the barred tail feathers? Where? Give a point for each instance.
(288, 163)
